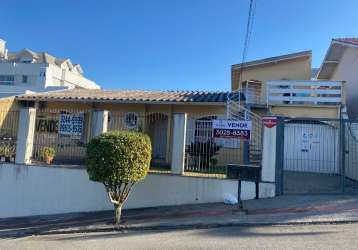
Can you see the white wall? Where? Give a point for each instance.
(347, 71)
(55, 75)
(32, 70)
(35, 190)
(37, 81)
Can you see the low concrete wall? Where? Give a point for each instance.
(37, 190)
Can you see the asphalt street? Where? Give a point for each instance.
(341, 236)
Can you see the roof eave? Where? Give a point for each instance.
(238, 66)
(344, 43)
(325, 61)
(118, 101)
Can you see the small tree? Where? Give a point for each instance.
(119, 160)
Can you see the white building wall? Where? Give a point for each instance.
(32, 70)
(57, 77)
(41, 77)
(35, 190)
(2, 48)
(35, 81)
(79, 80)
(347, 70)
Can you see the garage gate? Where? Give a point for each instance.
(320, 156)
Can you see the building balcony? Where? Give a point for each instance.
(293, 92)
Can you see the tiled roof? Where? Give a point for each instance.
(273, 59)
(353, 40)
(128, 96)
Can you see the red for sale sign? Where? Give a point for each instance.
(232, 129)
(269, 122)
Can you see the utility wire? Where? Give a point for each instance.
(249, 25)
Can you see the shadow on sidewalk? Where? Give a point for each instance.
(232, 232)
(279, 210)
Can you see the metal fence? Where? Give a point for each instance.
(203, 153)
(208, 155)
(253, 147)
(65, 131)
(350, 155)
(9, 122)
(156, 124)
(320, 156)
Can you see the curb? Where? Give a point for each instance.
(128, 229)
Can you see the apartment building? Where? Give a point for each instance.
(28, 71)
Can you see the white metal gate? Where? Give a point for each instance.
(311, 147)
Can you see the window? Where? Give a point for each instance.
(24, 79)
(26, 60)
(204, 128)
(131, 120)
(7, 79)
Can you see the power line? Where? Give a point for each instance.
(249, 25)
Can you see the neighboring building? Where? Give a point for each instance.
(341, 64)
(282, 85)
(27, 71)
(255, 74)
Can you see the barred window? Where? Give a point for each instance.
(131, 120)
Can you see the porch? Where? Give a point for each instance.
(180, 131)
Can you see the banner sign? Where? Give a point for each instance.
(269, 122)
(71, 124)
(46, 125)
(232, 129)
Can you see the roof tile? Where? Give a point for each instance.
(129, 96)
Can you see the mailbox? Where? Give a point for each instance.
(244, 173)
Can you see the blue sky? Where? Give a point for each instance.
(177, 44)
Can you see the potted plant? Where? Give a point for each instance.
(48, 154)
(7, 153)
(2, 152)
(12, 152)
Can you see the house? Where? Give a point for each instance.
(147, 111)
(294, 66)
(174, 120)
(340, 64)
(282, 85)
(27, 70)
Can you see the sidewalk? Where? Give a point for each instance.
(281, 210)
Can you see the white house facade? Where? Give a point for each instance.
(29, 71)
(341, 64)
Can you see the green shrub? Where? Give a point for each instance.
(118, 160)
(7, 149)
(48, 151)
